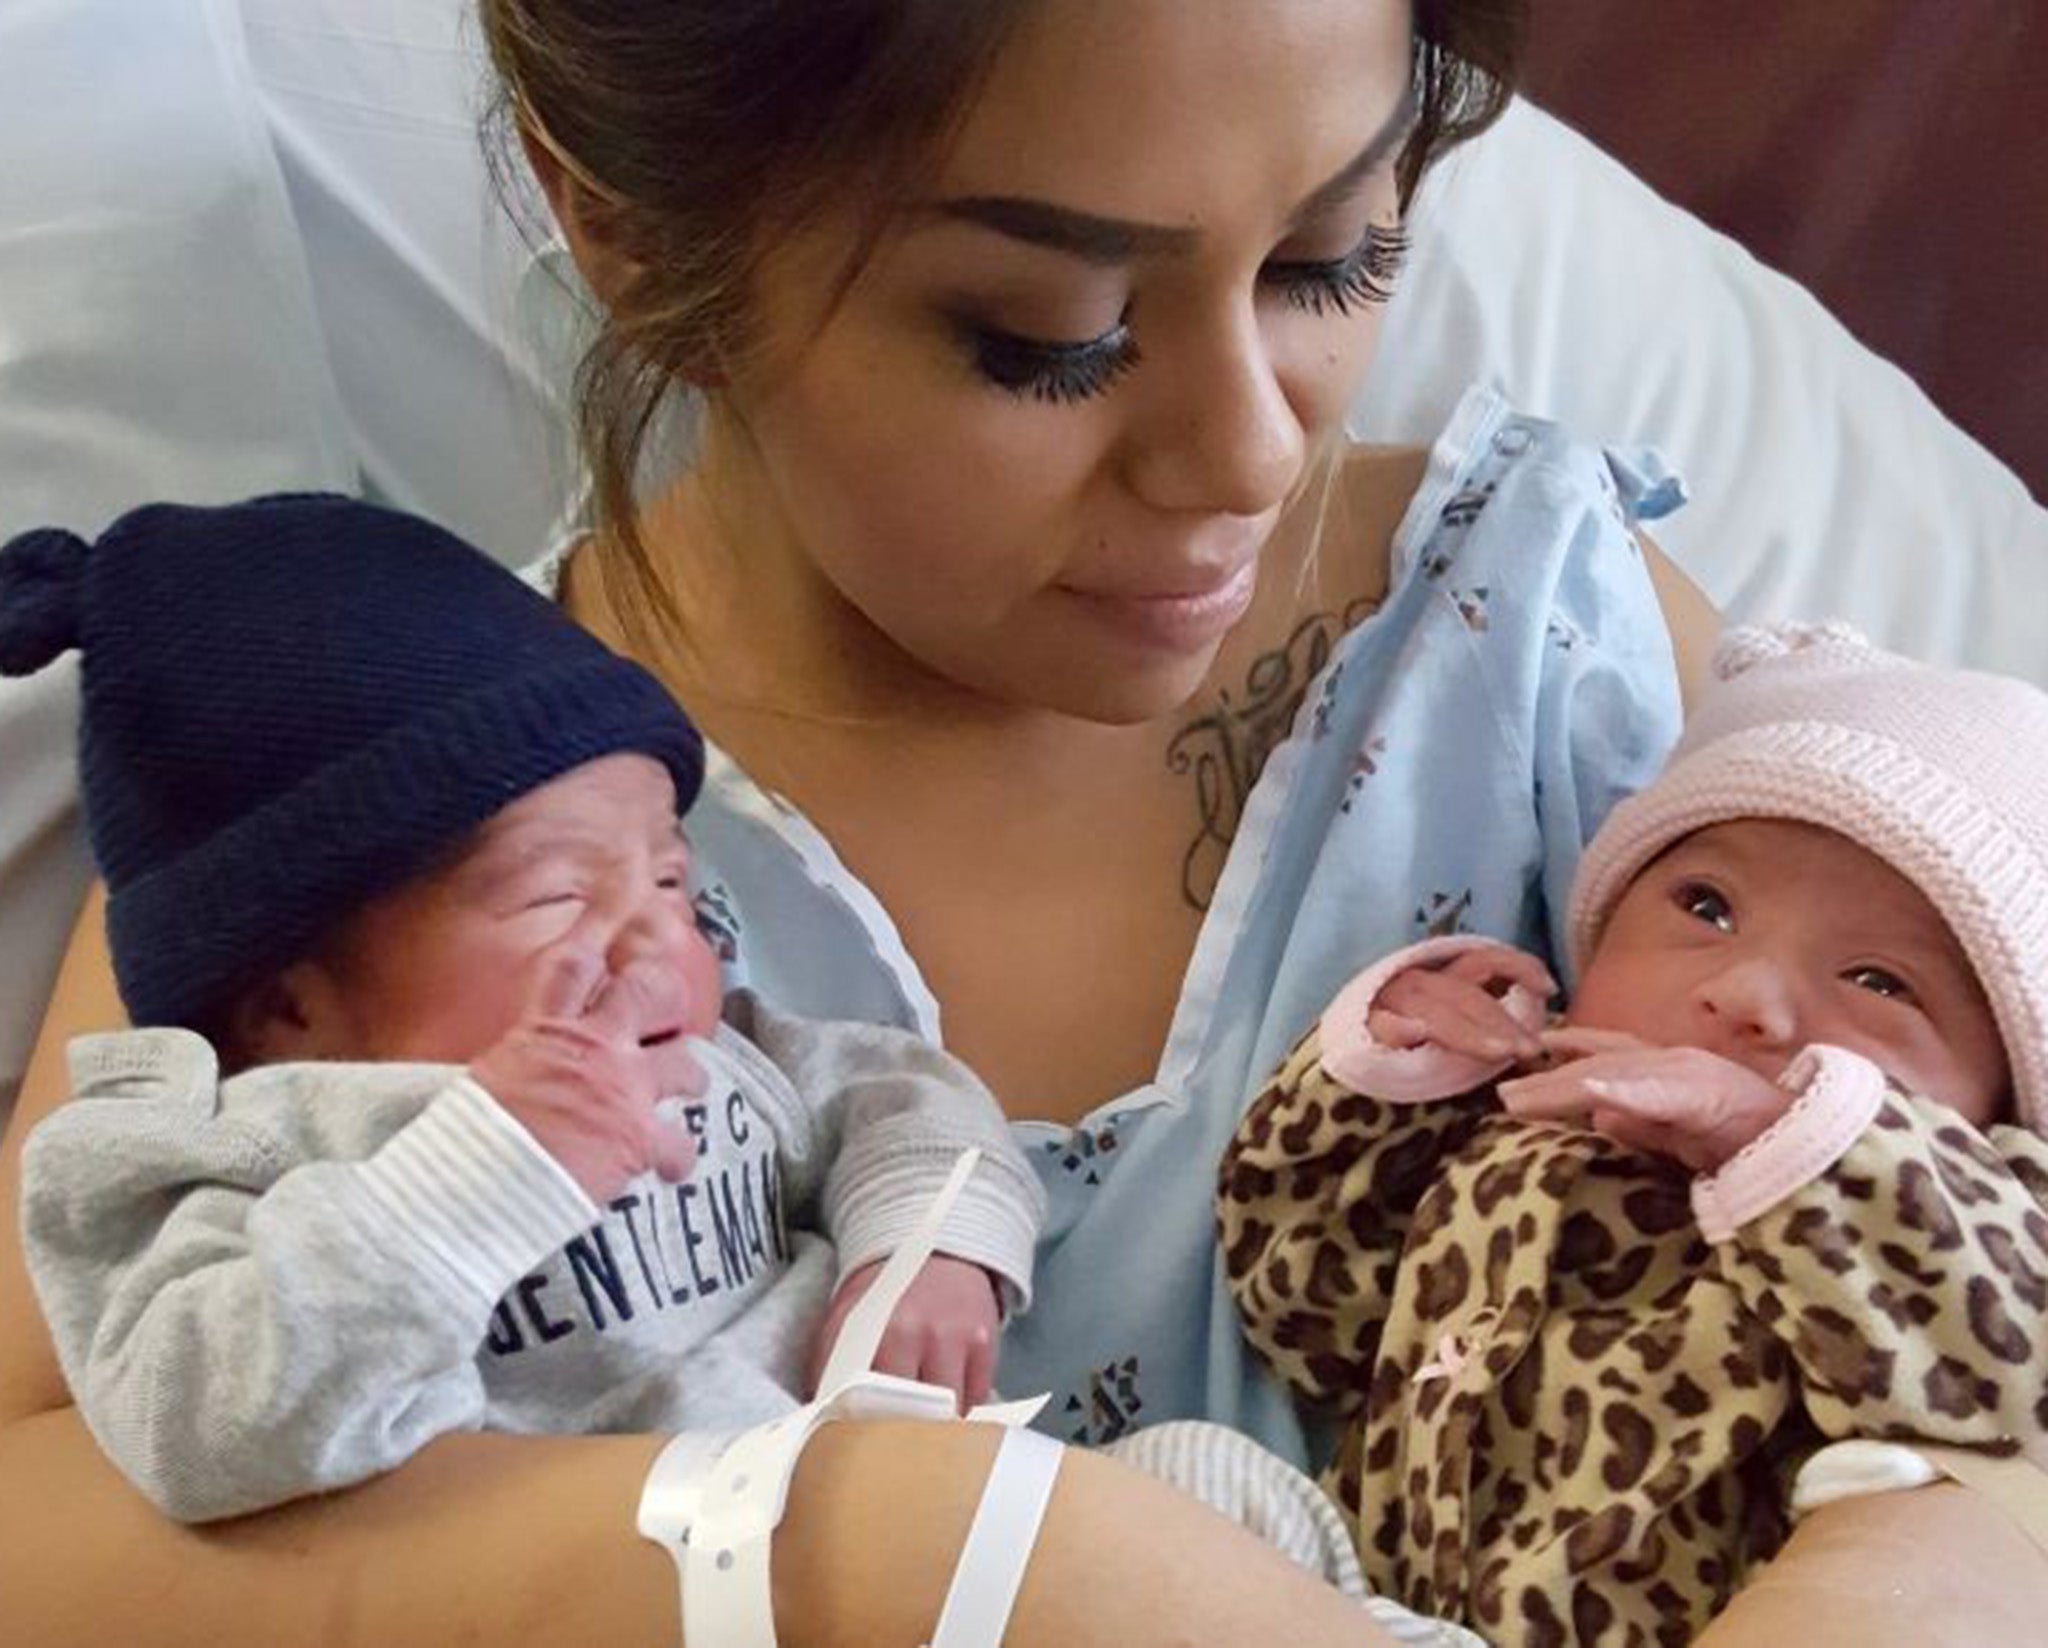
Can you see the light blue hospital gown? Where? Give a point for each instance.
(1456, 751)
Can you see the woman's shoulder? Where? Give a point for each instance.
(1369, 494)
(1378, 510)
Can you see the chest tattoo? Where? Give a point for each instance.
(1223, 751)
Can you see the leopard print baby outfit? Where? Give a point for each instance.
(1568, 1417)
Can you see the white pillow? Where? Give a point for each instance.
(1825, 483)
(157, 339)
(373, 106)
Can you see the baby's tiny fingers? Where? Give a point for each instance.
(568, 980)
(944, 1362)
(978, 1381)
(644, 999)
(1466, 1019)
(900, 1353)
(1573, 1041)
(672, 1151)
(685, 1072)
(1391, 1029)
(1503, 964)
(1552, 1095)
(1653, 1097)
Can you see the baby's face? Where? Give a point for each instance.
(439, 970)
(1754, 938)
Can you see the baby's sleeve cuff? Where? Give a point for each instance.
(1839, 1094)
(472, 1187)
(1409, 1075)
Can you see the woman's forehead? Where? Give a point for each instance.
(1165, 112)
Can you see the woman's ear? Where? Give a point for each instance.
(580, 210)
(587, 213)
(298, 1013)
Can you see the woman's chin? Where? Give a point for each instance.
(1109, 687)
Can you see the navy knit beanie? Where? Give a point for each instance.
(291, 706)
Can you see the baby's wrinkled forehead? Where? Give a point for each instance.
(616, 808)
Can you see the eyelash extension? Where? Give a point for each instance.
(1062, 374)
(1363, 275)
(1058, 374)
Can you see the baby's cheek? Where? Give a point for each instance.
(477, 1015)
(707, 985)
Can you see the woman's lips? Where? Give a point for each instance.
(1175, 620)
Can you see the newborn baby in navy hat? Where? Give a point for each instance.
(435, 1116)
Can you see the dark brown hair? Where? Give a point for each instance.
(703, 131)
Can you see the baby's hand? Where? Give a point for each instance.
(1695, 1107)
(577, 1071)
(1458, 1006)
(943, 1331)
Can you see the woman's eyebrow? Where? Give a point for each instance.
(1107, 241)
(1392, 134)
(1098, 240)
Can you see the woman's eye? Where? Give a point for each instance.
(1879, 982)
(1703, 903)
(1057, 373)
(1363, 275)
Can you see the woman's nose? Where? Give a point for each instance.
(1223, 437)
(1751, 1003)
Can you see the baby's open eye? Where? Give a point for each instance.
(1879, 982)
(1703, 903)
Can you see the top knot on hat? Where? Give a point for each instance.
(1745, 647)
(42, 574)
(293, 705)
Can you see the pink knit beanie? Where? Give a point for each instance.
(1941, 773)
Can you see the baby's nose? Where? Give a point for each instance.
(655, 931)
(1751, 1003)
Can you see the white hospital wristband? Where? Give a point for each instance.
(999, 1545)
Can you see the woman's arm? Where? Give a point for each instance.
(1693, 620)
(84, 999)
(529, 1540)
(1934, 1567)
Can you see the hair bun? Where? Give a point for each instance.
(41, 574)
(1743, 648)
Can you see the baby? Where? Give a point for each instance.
(1797, 1194)
(470, 1138)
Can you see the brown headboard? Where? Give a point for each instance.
(1891, 155)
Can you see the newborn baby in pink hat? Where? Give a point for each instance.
(1777, 1177)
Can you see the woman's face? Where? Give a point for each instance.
(1035, 451)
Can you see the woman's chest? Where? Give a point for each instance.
(1056, 950)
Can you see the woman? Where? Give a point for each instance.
(1014, 534)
